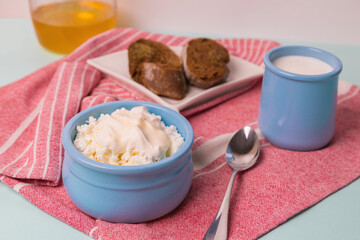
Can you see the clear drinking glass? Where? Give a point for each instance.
(62, 25)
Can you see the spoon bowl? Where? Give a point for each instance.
(243, 149)
(242, 153)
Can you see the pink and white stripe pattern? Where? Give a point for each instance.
(42, 127)
(35, 109)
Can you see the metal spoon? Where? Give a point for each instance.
(241, 154)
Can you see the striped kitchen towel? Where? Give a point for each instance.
(283, 183)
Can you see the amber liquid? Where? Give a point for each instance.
(62, 27)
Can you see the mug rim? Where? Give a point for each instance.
(302, 77)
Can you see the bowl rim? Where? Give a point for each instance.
(302, 77)
(109, 168)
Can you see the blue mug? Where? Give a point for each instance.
(297, 111)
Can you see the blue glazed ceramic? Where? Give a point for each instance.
(127, 194)
(297, 112)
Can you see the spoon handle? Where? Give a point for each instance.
(218, 227)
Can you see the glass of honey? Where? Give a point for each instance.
(63, 25)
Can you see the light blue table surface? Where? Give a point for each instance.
(335, 217)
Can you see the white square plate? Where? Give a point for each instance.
(242, 73)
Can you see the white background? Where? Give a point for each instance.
(322, 21)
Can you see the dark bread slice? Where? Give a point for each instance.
(205, 62)
(163, 80)
(157, 67)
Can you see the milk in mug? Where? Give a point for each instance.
(302, 65)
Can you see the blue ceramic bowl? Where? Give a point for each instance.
(127, 194)
(297, 112)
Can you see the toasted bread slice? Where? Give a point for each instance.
(157, 67)
(163, 80)
(205, 62)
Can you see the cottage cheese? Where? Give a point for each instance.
(127, 137)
